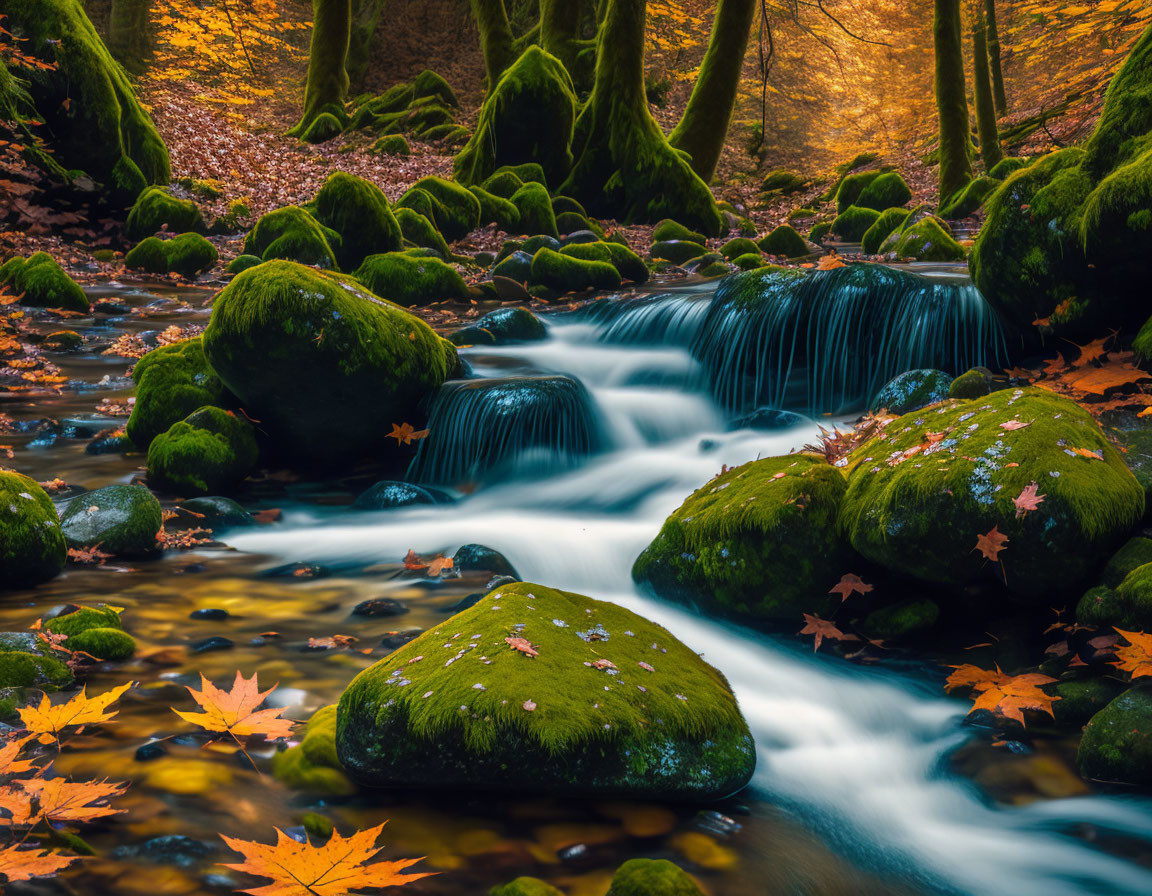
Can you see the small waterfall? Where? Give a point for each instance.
(506, 426)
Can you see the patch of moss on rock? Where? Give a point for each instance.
(912, 390)
(535, 207)
(904, 619)
(292, 233)
(359, 212)
(738, 246)
(851, 187)
(497, 210)
(1117, 742)
(881, 228)
(171, 382)
(1133, 553)
(971, 199)
(565, 274)
(32, 548)
(420, 231)
(156, 209)
(312, 766)
(673, 230)
(784, 242)
(322, 128)
(458, 211)
(241, 263)
(207, 453)
(188, 254)
(886, 191)
(525, 886)
(628, 264)
(122, 519)
(677, 251)
(25, 670)
(409, 281)
(41, 283)
(646, 877)
(1127, 605)
(109, 644)
(391, 145)
(610, 704)
(928, 240)
(852, 223)
(973, 383)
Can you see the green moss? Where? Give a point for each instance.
(1007, 166)
(391, 145)
(25, 670)
(461, 210)
(673, 230)
(1117, 743)
(327, 85)
(187, 254)
(750, 261)
(907, 618)
(972, 383)
(851, 187)
(527, 116)
(784, 242)
(32, 548)
(851, 224)
(561, 204)
(207, 453)
(497, 210)
(737, 247)
(241, 263)
(927, 240)
(291, 233)
(418, 229)
(970, 199)
(42, 283)
(677, 251)
(411, 281)
(565, 274)
(673, 732)
(307, 352)
(881, 228)
(884, 192)
(312, 766)
(171, 382)
(819, 231)
(643, 877)
(1116, 223)
(121, 519)
(503, 183)
(525, 886)
(1081, 698)
(359, 212)
(1127, 605)
(430, 84)
(781, 180)
(110, 644)
(627, 263)
(63, 341)
(317, 826)
(83, 619)
(912, 390)
(1135, 553)
(535, 207)
(906, 514)
(155, 209)
(1126, 119)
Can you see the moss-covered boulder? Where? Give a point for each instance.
(188, 254)
(32, 548)
(419, 230)
(647, 877)
(322, 128)
(171, 382)
(969, 200)
(527, 116)
(156, 209)
(677, 251)
(1117, 743)
(669, 229)
(241, 263)
(535, 207)
(628, 264)
(912, 390)
(41, 282)
(741, 245)
(391, 145)
(851, 187)
(1126, 605)
(503, 182)
(881, 228)
(325, 365)
(432, 84)
(886, 191)
(760, 542)
(121, 519)
(359, 212)
(941, 478)
(458, 211)
(85, 99)
(819, 231)
(292, 233)
(312, 765)
(409, 281)
(516, 266)
(929, 240)
(903, 619)
(501, 327)
(497, 210)
(565, 274)
(21, 669)
(96, 631)
(1134, 553)
(539, 690)
(971, 384)
(784, 242)
(781, 180)
(852, 223)
(206, 453)
(525, 886)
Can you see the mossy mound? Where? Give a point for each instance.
(96, 631)
(32, 548)
(565, 274)
(241, 263)
(391, 145)
(851, 187)
(750, 261)
(121, 519)
(19, 669)
(917, 505)
(673, 230)
(156, 209)
(819, 231)
(1117, 742)
(324, 364)
(516, 266)
(292, 233)
(912, 390)
(677, 251)
(503, 182)
(410, 281)
(312, 765)
(971, 199)
(501, 327)
(1127, 605)
(760, 542)
(904, 619)
(741, 245)
(527, 116)
(609, 704)
(1007, 166)
(188, 254)
(647, 877)
(41, 283)
(628, 264)
(929, 240)
(322, 128)
(461, 213)
(886, 191)
(359, 212)
(780, 180)
(525, 886)
(1134, 553)
(206, 453)
(535, 207)
(497, 210)
(881, 228)
(784, 242)
(972, 383)
(420, 231)
(430, 84)
(171, 382)
(852, 223)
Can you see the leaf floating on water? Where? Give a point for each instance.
(49, 721)
(234, 712)
(406, 434)
(1005, 695)
(18, 864)
(823, 628)
(848, 585)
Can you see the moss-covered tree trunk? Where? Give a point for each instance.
(561, 23)
(704, 125)
(327, 62)
(986, 128)
(130, 32)
(365, 16)
(994, 58)
(495, 37)
(625, 168)
(951, 101)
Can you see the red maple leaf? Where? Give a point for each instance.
(822, 629)
(1027, 500)
(850, 584)
(991, 544)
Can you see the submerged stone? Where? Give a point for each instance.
(122, 519)
(218, 512)
(501, 327)
(388, 495)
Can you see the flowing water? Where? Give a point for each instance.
(856, 789)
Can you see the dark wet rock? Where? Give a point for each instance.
(111, 306)
(209, 645)
(26, 642)
(501, 327)
(497, 581)
(297, 571)
(171, 849)
(109, 442)
(1117, 742)
(380, 606)
(209, 613)
(477, 557)
(912, 390)
(218, 512)
(389, 494)
(768, 418)
(148, 752)
(517, 266)
(396, 640)
(122, 519)
(472, 599)
(1081, 698)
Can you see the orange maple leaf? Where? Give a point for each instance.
(48, 721)
(9, 764)
(1091, 455)
(25, 864)
(435, 567)
(1013, 425)
(405, 434)
(58, 800)
(1134, 657)
(1028, 499)
(523, 645)
(991, 543)
(848, 585)
(335, 869)
(234, 712)
(1006, 695)
(822, 629)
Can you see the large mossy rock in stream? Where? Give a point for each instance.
(188, 254)
(527, 116)
(324, 365)
(410, 280)
(564, 273)
(628, 264)
(1117, 742)
(292, 233)
(647, 877)
(156, 209)
(312, 765)
(172, 381)
(206, 453)
(121, 519)
(1066, 238)
(41, 283)
(544, 691)
(97, 631)
(32, 548)
(760, 542)
(359, 212)
(912, 390)
(940, 478)
(93, 121)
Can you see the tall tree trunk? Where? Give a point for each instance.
(994, 58)
(951, 102)
(130, 32)
(365, 16)
(560, 24)
(704, 125)
(990, 150)
(327, 62)
(624, 167)
(495, 37)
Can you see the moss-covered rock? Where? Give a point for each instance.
(418, 229)
(527, 116)
(188, 254)
(359, 212)
(904, 619)
(525, 886)
(312, 766)
(171, 382)
(1081, 698)
(629, 265)
(325, 365)
(42, 283)
(1007, 166)
(970, 199)
(501, 327)
(673, 230)
(750, 261)
(886, 191)
(503, 182)
(881, 228)
(322, 128)
(535, 207)
(741, 245)
(32, 548)
(391, 145)
(760, 541)
(916, 505)
(458, 213)
(292, 233)
(819, 231)
(410, 281)
(912, 390)
(851, 187)
(784, 242)
(1135, 552)
(1127, 605)
(241, 263)
(780, 180)
(852, 223)
(927, 240)
(1117, 743)
(677, 251)
(121, 519)
(646, 877)
(206, 453)
(609, 704)
(565, 274)
(497, 210)
(972, 383)
(431, 84)
(63, 341)
(109, 644)
(19, 669)
(156, 209)
(516, 266)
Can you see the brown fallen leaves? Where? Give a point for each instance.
(822, 628)
(235, 712)
(523, 645)
(1135, 657)
(436, 566)
(1028, 500)
(17, 863)
(1005, 695)
(991, 543)
(339, 867)
(848, 585)
(406, 434)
